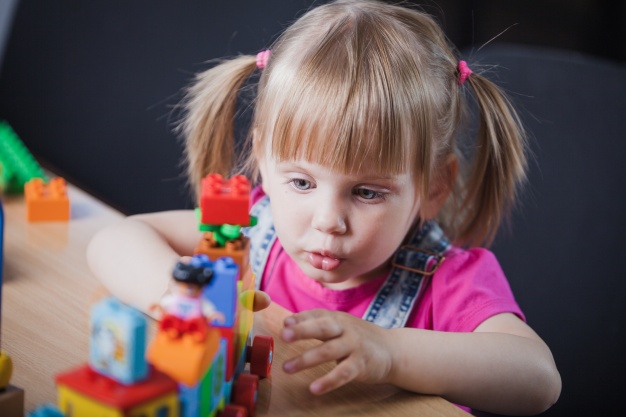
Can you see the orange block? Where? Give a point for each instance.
(183, 359)
(238, 250)
(46, 202)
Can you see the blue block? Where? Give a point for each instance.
(189, 400)
(118, 341)
(46, 410)
(222, 291)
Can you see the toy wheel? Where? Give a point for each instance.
(245, 391)
(261, 356)
(231, 410)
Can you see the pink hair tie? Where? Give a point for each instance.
(464, 72)
(262, 58)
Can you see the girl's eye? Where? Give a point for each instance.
(367, 194)
(300, 184)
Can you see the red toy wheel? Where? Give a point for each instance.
(231, 410)
(261, 356)
(245, 391)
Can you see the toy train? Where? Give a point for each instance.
(195, 364)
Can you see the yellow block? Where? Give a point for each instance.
(74, 404)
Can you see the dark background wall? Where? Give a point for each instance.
(91, 88)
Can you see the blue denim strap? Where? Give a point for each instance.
(412, 266)
(262, 237)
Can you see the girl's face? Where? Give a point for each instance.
(340, 229)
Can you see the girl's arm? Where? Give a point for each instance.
(134, 258)
(501, 367)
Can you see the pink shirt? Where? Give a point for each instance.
(468, 288)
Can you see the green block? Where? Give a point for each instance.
(17, 164)
(212, 388)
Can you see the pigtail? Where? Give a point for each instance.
(499, 164)
(209, 117)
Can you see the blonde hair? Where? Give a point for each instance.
(355, 84)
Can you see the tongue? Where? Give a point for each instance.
(323, 262)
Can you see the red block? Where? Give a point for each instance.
(225, 201)
(110, 392)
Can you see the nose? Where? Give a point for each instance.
(330, 218)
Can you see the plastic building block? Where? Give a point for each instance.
(222, 292)
(17, 164)
(46, 202)
(46, 410)
(225, 201)
(213, 388)
(237, 335)
(12, 402)
(84, 392)
(184, 358)
(238, 249)
(118, 341)
(6, 369)
(189, 400)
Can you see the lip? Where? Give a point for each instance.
(326, 253)
(324, 260)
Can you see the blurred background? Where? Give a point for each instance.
(91, 88)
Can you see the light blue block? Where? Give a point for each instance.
(118, 341)
(189, 400)
(46, 410)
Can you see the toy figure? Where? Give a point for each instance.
(184, 309)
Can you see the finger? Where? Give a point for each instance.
(343, 373)
(307, 315)
(333, 350)
(261, 301)
(323, 328)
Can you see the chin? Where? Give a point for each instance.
(321, 276)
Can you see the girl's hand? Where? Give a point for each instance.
(361, 349)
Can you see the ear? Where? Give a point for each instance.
(440, 188)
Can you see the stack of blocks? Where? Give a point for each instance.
(118, 381)
(182, 374)
(224, 208)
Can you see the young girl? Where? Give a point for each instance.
(365, 208)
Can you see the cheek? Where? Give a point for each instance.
(390, 228)
(289, 216)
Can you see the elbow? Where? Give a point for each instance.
(553, 392)
(548, 389)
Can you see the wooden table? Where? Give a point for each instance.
(48, 290)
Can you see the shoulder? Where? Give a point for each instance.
(468, 288)
(467, 271)
(474, 261)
